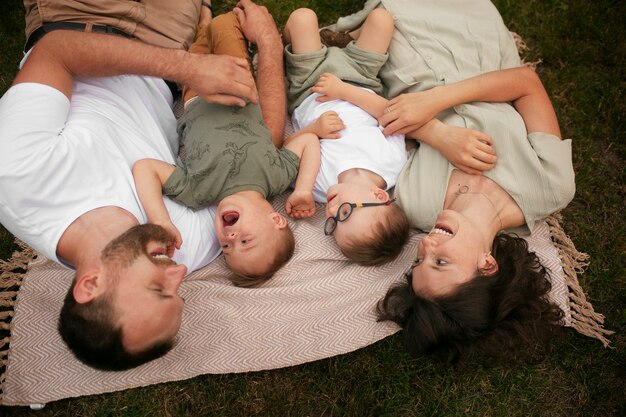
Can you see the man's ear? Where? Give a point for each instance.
(279, 219)
(88, 287)
(489, 265)
(381, 195)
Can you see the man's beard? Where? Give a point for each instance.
(122, 251)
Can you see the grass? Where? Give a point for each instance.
(584, 69)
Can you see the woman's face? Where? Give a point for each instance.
(451, 254)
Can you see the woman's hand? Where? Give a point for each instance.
(330, 86)
(300, 205)
(328, 125)
(409, 112)
(469, 150)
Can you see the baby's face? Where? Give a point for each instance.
(361, 220)
(255, 257)
(248, 234)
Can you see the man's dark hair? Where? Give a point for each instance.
(89, 330)
(489, 315)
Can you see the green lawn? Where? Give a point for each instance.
(584, 69)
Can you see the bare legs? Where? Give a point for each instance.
(302, 32)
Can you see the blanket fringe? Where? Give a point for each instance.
(11, 274)
(523, 49)
(584, 319)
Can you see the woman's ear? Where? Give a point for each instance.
(381, 195)
(489, 265)
(87, 288)
(279, 219)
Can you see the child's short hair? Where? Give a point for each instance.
(385, 241)
(285, 250)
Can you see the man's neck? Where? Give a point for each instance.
(83, 241)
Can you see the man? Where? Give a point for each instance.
(71, 127)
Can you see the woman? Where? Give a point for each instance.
(471, 286)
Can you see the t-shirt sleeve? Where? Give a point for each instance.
(555, 158)
(34, 113)
(290, 164)
(180, 187)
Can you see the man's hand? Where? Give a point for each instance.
(330, 86)
(257, 23)
(300, 205)
(328, 125)
(222, 79)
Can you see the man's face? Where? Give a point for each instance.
(144, 284)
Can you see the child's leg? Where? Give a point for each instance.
(226, 38)
(302, 31)
(375, 33)
(199, 45)
(223, 36)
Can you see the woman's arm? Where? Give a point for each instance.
(520, 85)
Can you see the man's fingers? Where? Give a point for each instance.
(240, 15)
(226, 100)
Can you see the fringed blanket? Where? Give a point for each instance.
(319, 305)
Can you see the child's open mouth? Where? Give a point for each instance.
(230, 218)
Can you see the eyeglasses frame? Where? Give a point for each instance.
(352, 206)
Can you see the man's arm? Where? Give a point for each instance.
(62, 55)
(520, 85)
(259, 28)
(149, 176)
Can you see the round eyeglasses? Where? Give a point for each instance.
(344, 212)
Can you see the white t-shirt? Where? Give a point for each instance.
(60, 159)
(362, 144)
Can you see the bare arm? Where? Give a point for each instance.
(519, 85)
(62, 55)
(300, 203)
(334, 88)
(467, 149)
(149, 176)
(259, 28)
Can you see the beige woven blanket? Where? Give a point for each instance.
(319, 305)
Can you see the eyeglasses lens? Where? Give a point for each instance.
(344, 212)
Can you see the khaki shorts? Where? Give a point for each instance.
(351, 64)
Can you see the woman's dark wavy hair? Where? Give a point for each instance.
(489, 315)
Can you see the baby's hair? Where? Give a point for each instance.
(385, 240)
(283, 254)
